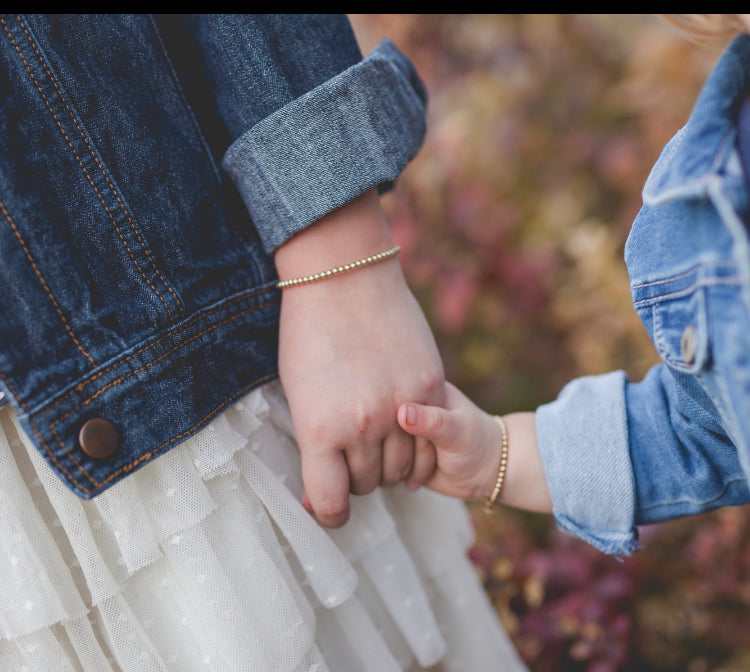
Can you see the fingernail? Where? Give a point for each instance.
(411, 415)
(413, 486)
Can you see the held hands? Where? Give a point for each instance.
(468, 443)
(352, 348)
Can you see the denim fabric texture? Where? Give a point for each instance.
(619, 454)
(137, 287)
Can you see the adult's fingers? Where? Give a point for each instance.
(326, 479)
(425, 462)
(365, 467)
(398, 457)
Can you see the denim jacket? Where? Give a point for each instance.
(149, 167)
(619, 454)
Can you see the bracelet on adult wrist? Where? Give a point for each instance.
(502, 468)
(322, 275)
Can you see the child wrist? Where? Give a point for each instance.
(501, 469)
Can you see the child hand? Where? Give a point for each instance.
(468, 442)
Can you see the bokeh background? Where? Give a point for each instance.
(512, 221)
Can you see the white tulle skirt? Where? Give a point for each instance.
(205, 560)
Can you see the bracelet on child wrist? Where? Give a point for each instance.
(500, 480)
(373, 259)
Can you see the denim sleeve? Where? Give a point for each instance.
(684, 462)
(355, 132)
(309, 125)
(583, 441)
(618, 454)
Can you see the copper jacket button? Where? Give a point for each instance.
(98, 439)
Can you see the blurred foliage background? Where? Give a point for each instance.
(512, 221)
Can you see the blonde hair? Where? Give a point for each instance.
(710, 27)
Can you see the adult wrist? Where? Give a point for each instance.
(337, 270)
(357, 230)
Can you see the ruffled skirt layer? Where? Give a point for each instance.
(205, 560)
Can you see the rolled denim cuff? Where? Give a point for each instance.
(583, 442)
(355, 132)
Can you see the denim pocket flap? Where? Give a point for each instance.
(681, 331)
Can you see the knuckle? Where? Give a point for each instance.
(362, 420)
(362, 488)
(391, 479)
(338, 521)
(432, 381)
(364, 484)
(315, 432)
(400, 466)
(332, 510)
(406, 470)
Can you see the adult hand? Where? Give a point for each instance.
(352, 348)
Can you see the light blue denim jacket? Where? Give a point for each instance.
(619, 454)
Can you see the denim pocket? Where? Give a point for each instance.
(681, 331)
(674, 313)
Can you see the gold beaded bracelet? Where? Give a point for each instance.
(490, 502)
(373, 259)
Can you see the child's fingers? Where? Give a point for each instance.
(430, 422)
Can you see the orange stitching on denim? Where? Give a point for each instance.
(116, 382)
(57, 463)
(158, 449)
(176, 82)
(36, 432)
(152, 453)
(99, 374)
(44, 283)
(15, 394)
(146, 456)
(99, 165)
(83, 168)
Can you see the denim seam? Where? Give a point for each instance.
(727, 485)
(146, 456)
(181, 93)
(120, 380)
(44, 284)
(719, 264)
(705, 282)
(13, 391)
(176, 330)
(117, 381)
(104, 173)
(176, 80)
(661, 343)
(658, 340)
(80, 163)
(726, 408)
(159, 449)
(698, 187)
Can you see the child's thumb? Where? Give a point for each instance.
(430, 422)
